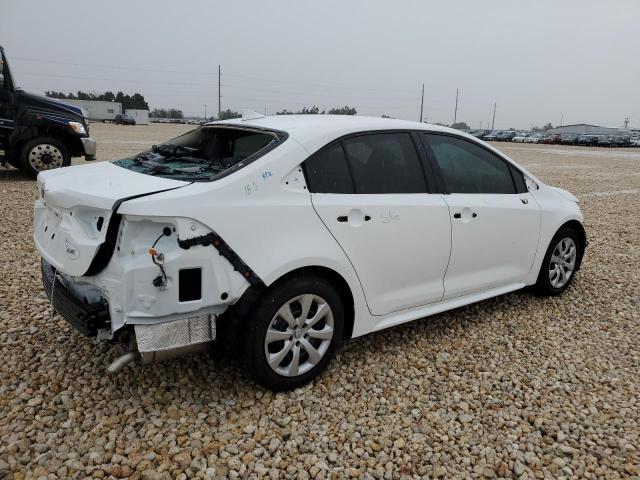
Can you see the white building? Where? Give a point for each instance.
(97, 110)
(140, 116)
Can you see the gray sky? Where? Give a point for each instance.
(540, 60)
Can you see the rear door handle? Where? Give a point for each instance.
(345, 218)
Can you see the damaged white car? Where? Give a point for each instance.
(280, 236)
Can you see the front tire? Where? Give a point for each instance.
(560, 263)
(294, 330)
(44, 153)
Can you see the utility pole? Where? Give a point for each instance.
(561, 119)
(422, 104)
(455, 112)
(626, 123)
(205, 112)
(494, 115)
(219, 102)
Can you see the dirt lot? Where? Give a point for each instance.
(516, 387)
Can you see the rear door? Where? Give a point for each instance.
(371, 193)
(495, 221)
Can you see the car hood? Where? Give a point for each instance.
(49, 104)
(76, 206)
(565, 194)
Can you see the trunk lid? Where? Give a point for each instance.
(76, 205)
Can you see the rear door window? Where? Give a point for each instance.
(384, 163)
(469, 168)
(328, 172)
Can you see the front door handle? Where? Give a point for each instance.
(342, 218)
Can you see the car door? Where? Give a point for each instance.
(370, 192)
(494, 219)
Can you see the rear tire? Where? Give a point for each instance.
(43, 153)
(560, 263)
(294, 330)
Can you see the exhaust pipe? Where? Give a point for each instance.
(121, 362)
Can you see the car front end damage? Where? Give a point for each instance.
(156, 283)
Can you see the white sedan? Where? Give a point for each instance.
(277, 237)
(520, 138)
(533, 138)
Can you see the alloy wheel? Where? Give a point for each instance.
(299, 335)
(562, 262)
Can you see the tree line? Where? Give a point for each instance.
(166, 113)
(135, 101)
(346, 110)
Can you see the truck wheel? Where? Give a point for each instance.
(44, 153)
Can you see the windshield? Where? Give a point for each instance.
(204, 154)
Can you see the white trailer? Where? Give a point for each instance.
(140, 116)
(98, 110)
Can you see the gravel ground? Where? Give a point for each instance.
(515, 387)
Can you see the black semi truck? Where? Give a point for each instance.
(39, 133)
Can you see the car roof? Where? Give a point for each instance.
(315, 131)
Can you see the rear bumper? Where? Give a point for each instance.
(87, 318)
(90, 148)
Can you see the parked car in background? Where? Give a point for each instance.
(569, 139)
(634, 142)
(519, 138)
(277, 237)
(124, 119)
(491, 136)
(625, 141)
(533, 138)
(587, 140)
(604, 141)
(509, 134)
(550, 139)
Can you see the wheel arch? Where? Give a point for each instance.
(71, 142)
(337, 281)
(577, 226)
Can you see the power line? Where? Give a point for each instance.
(157, 70)
(268, 100)
(315, 84)
(303, 103)
(288, 92)
(346, 97)
(40, 74)
(115, 67)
